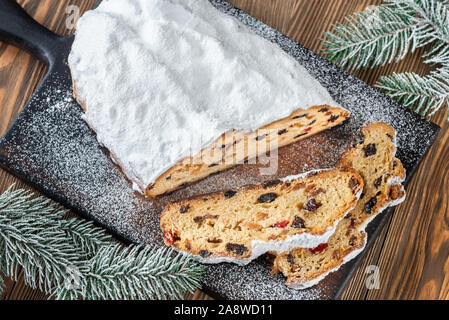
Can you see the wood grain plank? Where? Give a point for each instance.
(411, 251)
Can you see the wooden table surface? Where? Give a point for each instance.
(412, 250)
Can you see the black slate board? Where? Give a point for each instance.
(51, 147)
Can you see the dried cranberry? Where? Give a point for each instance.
(230, 193)
(184, 209)
(281, 224)
(170, 238)
(311, 205)
(370, 150)
(353, 223)
(272, 183)
(370, 205)
(267, 198)
(298, 222)
(238, 249)
(308, 129)
(319, 248)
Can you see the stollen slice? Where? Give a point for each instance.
(240, 225)
(236, 146)
(372, 154)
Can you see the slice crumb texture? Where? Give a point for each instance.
(227, 224)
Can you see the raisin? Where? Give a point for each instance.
(205, 253)
(283, 131)
(214, 240)
(378, 182)
(300, 135)
(168, 178)
(267, 198)
(272, 183)
(370, 150)
(390, 136)
(359, 139)
(238, 249)
(333, 118)
(352, 240)
(288, 184)
(290, 259)
(298, 223)
(370, 205)
(323, 109)
(320, 248)
(311, 205)
(353, 184)
(184, 209)
(312, 122)
(202, 218)
(395, 164)
(183, 185)
(230, 193)
(362, 195)
(300, 116)
(213, 165)
(258, 138)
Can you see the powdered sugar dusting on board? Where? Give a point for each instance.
(51, 146)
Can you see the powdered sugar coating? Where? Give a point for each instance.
(170, 76)
(56, 151)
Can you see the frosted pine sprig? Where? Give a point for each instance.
(387, 33)
(71, 258)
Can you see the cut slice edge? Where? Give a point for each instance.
(237, 146)
(304, 269)
(240, 225)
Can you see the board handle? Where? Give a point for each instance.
(21, 30)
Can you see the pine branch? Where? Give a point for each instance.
(425, 94)
(371, 38)
(30, 238)
(136, 273)
(84, 235)
(2, 285)
(71, 258)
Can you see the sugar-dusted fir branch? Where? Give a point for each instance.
(387, 33)
(72, 259)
